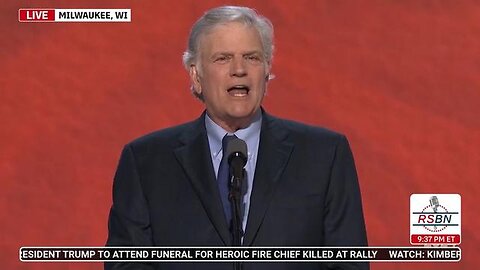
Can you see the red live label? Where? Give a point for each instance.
(36, 15)
(435, 239)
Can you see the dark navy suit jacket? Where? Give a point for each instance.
(305, 193)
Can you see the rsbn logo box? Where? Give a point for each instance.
(435, 219)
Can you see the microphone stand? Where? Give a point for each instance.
(235, 197)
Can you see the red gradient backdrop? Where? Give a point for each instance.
(400, 78)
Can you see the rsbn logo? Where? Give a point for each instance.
(435, 217)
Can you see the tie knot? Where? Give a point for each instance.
(226, 139)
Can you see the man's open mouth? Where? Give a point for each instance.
(238, 90)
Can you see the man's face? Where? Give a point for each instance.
(231, 73)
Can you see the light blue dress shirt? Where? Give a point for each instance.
(251, 135)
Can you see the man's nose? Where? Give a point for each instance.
(238, 68)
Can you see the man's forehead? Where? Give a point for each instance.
(225, 37)
(242, 52)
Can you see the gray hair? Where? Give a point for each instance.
(225, 14)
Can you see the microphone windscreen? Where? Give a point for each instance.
(237, 147)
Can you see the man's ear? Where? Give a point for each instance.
(268, 75)
(195, 77)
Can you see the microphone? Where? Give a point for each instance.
(237, 157)
(434, 203)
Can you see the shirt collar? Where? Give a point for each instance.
(216, 133)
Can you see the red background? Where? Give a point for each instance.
(399, 78)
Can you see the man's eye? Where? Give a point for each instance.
(221, 59)
(254, 58)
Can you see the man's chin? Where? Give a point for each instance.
(240, 115)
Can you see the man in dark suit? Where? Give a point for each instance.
(301, 187)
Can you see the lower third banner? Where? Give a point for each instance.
(240, 254)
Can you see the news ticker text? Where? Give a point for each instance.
(239, 254)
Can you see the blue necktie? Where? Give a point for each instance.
(223, 180)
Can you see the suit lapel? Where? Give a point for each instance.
(273, 154)
(194, 156)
